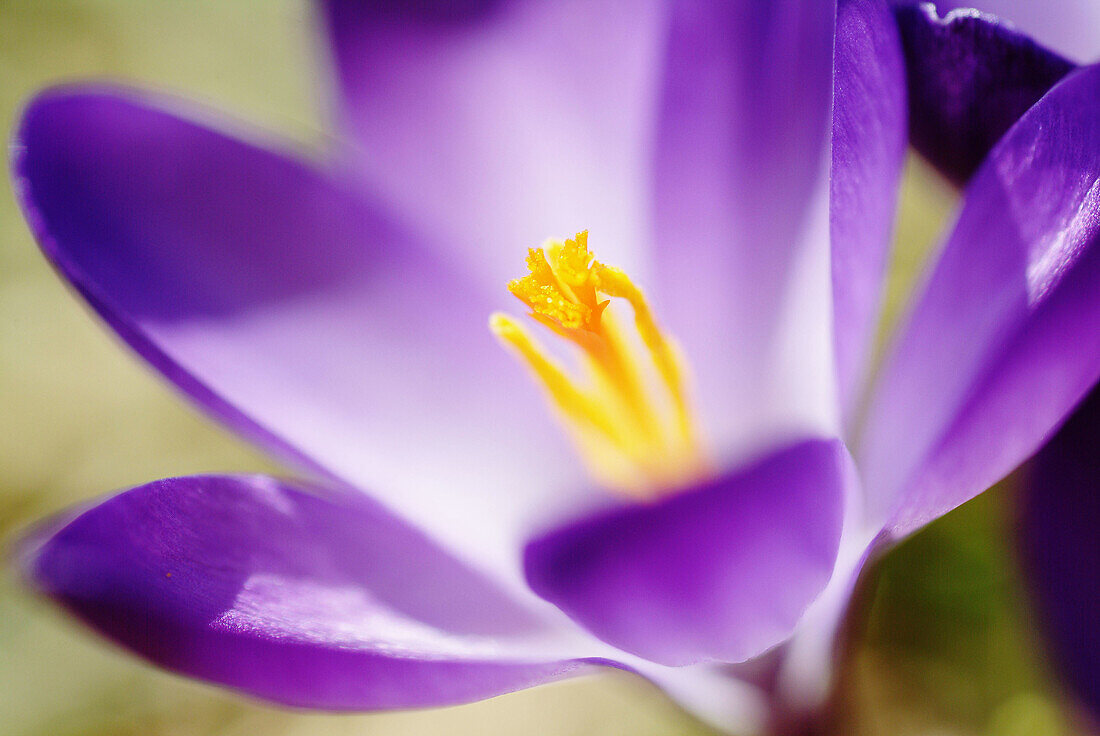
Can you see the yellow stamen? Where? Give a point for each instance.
(665, 353)
(634, 427)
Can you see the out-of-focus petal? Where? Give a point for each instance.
(500, 123)
(869, 140)
(1001, 344)
(719, 572)
(970, 78)
(295, 310)
(807, 662)
(291, 595)
(1060, 519)
(741, 217)
(1071, 27)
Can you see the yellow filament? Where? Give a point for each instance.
(665, 353)
(576, 405)
(637, 434)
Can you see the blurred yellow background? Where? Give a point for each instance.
(942, 645)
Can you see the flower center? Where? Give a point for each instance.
(628, 410)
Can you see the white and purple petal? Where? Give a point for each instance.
(291, 593)
(690, 138)
(497, 124)
(740, 214)
(296, 309)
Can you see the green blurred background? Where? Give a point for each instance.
(943, 643)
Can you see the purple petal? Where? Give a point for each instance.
(1061, 516)
(740, 208)
(291, 595)
(719, 572)
(970, 78)
(1071, 27)
(868, 150)
(498, 124)
(519, 119)
(1001, 344)
(294, 310)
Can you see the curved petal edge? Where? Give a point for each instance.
(719, 572)
(291, 594)
(970, 77)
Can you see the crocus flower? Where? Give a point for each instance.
(714, 489)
